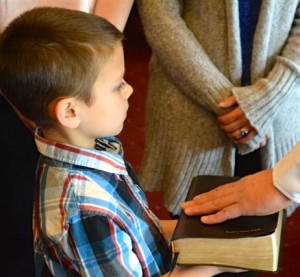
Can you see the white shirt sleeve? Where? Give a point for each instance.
(286, 174)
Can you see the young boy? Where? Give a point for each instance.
(63, 70)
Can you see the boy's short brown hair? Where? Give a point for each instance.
(48, 53)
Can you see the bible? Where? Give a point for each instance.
(247, 242)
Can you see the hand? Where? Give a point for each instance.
(264, 141)
(252, 195)
(204, 271)
(235, 123)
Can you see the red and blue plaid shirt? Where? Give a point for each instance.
(91, 217)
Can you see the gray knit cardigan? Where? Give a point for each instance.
(195, 64)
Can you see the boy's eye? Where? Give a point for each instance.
(122, 85)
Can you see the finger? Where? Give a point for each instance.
(242, 135)
(265, 140)
(227, 213)
(228, 102)
(252, 133)
(238, 129)
(263, 143)
(208, 206)
(231, 116)
(200, 209)
(268, 135)
(235, 125)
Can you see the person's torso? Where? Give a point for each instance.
(70, 194)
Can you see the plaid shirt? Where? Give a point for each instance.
(90, 216)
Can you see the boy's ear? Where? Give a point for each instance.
(65, 111)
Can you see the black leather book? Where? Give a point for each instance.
(249, 242)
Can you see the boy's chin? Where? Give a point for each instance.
(119, 131)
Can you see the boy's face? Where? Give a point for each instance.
(110, 93)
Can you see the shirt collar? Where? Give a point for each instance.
(107, 157)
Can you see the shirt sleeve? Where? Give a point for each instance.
(103, 247)
(286, 174)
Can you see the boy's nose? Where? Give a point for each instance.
(130, 90)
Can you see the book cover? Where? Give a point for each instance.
(192, 238)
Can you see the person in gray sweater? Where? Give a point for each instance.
(199, 110)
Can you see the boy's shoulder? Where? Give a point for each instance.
(78, 190)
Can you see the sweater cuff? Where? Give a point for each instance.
(261, 101)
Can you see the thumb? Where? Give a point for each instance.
(228, 102)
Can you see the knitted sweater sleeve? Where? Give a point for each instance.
(261, 101)
(181, 55)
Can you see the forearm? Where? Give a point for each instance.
(115, 11)
(261, 101)
(286, 175)
(181, 55)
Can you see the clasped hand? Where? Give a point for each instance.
(236, 125)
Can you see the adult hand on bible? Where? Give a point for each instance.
(252, 195)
